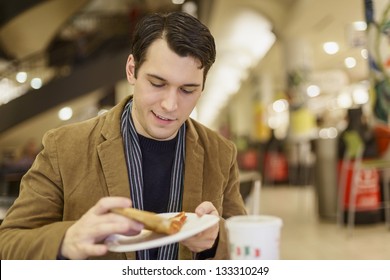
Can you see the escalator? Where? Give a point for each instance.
(104, 71)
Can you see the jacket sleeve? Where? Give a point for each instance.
(233, 205)
(33, 227)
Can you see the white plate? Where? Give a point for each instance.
(148, 239)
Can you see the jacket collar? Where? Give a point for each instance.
(111, 153)
(193, 170)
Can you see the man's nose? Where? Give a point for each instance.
(169, 101)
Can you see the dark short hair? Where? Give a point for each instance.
(184, 34)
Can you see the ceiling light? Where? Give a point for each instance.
(190, 8)
(280, 105)
(21, 77)
(36, 83)
(344, 100)
(278, 115)
(350, 62)
(359, 25)
(364, 53)
(65, 113)
(331, 47)
(360, 95)
(328, 133)
(313, 91)
(178, 2)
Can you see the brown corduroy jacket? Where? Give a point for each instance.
(81, 163)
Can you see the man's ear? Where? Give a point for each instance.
(130, 69)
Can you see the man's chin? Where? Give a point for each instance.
(163, 134)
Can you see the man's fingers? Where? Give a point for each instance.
(206, 207)
(105, 204)
(101, 230)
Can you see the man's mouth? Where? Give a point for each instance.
(162, 118)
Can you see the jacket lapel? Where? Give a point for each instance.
(193, 179)
(193, 171)
(114, 167)
(111, 153)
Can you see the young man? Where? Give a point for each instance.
(145, 153)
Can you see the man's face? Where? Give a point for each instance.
(166, 91)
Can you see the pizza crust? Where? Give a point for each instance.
(152, 221)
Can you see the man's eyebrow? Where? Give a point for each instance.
(164, 80)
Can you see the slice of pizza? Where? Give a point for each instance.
(177, 221)
(152, 221)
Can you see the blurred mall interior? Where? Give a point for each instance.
(301, 86)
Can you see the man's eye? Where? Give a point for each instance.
(156, 85)
(187, 91)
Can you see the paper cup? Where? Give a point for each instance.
(254, 237)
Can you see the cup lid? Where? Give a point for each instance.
(258, 220)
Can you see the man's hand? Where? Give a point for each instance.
(206, 239)
(82, 238)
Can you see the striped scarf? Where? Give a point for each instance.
(134, 168)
